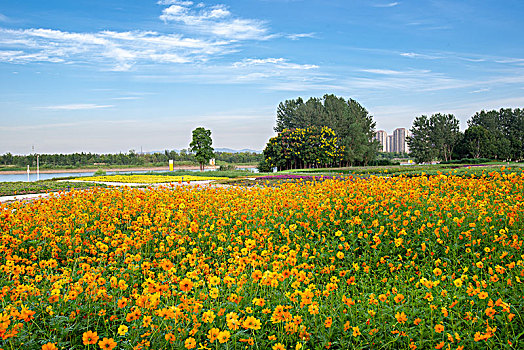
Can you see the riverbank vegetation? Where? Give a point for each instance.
(130, 159)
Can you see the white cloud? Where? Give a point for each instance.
(419, 55)
(75, 107)
(479, 90)
(407, 80)
(518, 61)
(118, 51)
(280, 63)
(127, 98)
(215, 21)
(171, 2)
(390, 4)
(396, 72)
(300, 36)
(210, 33)
(3, 18)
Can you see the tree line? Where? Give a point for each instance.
(491, 134)
(130, 158)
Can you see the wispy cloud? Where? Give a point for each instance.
(269, 73)
(75, 107)
(395, 72)
(127, 98)
(204, 33)
(462, 56)
(280, 63)
(407, 80)
(419, 55)
(3, 18)
(300, 36)
(117, 51)
(389, 4)
(479, 90)
(216, 21)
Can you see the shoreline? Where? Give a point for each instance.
(87, 170)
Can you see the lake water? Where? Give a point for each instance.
(47, 176)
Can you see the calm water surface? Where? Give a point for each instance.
(32, 175)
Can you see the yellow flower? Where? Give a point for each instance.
(122, 330)
(251, 323)
(224, 336)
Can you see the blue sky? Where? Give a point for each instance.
(110, 76)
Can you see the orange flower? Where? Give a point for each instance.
(190, 343)
(483, 295)
(490, 312)
(328, 322)
(213, 334)
(89, 338)
(122, 303)
(401, 317)
(186, 285)
(107, 343)
(398, 298)
(49, 346)
(170, 337)
(279, 346)
(439, 328)
(440, 345)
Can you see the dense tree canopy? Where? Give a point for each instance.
(309, 147)
(496, 134)
(490, 135)
(350, 121)
(433, 138)
(201, 146)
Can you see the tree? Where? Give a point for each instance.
(478, 142)
(419, 142)
(434, 137)
(444, 134)
(348, 119)
(505, 128)
(299, 148)
(201, 146)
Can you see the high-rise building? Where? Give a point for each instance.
(393, 143)
(399, 140)
(381, 136)
(390, 146)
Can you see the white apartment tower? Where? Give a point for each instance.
(381, 136)
(400, 141)
(393, 143)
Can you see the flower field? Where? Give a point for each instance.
(147, 179)
(379, 263)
